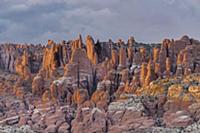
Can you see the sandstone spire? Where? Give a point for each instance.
(179, 58)
(114, 58)
(187, 63)
(168, 67)
(122, 57)
(156, 54)
(91, 53)
(162, 59)
(143, 73)
(120, 43)
(143, 54)
(158, 70)
(130, 55)
(38, 85)
(150, 73)
(52, 59)
(80, 41)
(22, 66)
(136, 78)
(131, 41)
(77, 43)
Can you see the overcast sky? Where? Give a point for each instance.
(36, 21)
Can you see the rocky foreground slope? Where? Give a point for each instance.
(100, 87)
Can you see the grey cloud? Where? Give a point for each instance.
(148, 20)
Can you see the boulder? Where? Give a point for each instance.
(177, 119)
(88, 120)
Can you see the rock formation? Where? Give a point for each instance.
(122, 58)
(22, 66)
(115, 58)
(91, 53)
(150, 73)
(100, 87)
(38, 85)
(143, 73)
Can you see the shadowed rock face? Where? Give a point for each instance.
(74, 86)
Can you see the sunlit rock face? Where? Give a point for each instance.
(51, 59)
(87, 85)
(22, 66)
(78, 43)
(91, 53)
(150, 73)
(115, 58)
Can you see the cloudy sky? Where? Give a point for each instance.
(36, 21)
